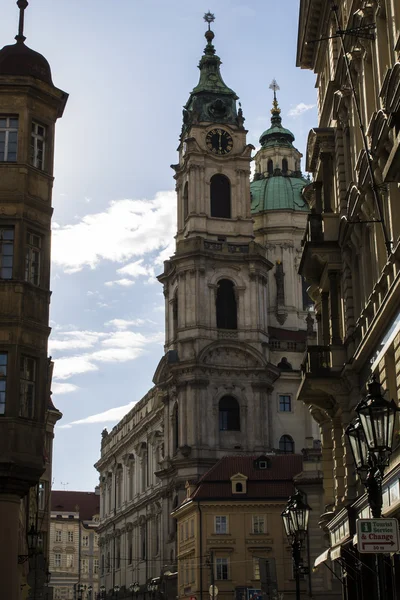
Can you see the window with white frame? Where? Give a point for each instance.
(38, 145)
(256, 568)
(70, 536)
(95, 566)
(57, 560)
(41, 495)
(69, 561)
(32, 258)
(58, 535)
(221, 568)
(27, 387)
(6, 252)
(84, 566)
(285, 403)
(259, 524)
(3, 381)
(85, 541)
(221, 524)
(8, 138)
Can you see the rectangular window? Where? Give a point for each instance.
(221, 525)
(95, 566)
(181, 532)
(70, 536)
(191, 528)
(57, 560)
(285, 403)
(70, 561)
(186, 530)
(27, 387)
(6, 252)
(3, 381)
(221, 568)
(96, 540)
(38, 145)
(258, 524)
(32, 258)
(58, 537)
(256, 568)
(85, 541)
(84, 566)
(8, 139)
(41, 495)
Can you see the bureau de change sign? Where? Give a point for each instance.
(378, 535)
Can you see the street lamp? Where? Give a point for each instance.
(32, 540)
(89, 591)
(371, 441)
(102, 590)
(134, 588)
(295, 521)
(116, 590)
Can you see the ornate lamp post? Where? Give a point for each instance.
(295, 520)
(102, 590)
(89, 591)
(33, 540)
(116, 590)
(371, 441)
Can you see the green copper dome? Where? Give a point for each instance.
(278, 192)
(276, 135)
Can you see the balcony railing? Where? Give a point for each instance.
(317, 361)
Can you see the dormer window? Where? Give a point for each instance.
(262, 462)
(239, 483)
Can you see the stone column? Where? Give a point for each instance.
(318, 196)
(334, 307)
(327, 175)
(325, 318)
(9, 526)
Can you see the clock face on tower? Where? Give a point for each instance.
(219, 141)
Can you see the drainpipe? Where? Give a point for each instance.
(201, 550)
(115, 512)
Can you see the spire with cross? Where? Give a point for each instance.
(275, 108)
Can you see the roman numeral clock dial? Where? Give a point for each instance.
(219, 141)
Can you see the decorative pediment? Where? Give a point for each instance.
(231, 356)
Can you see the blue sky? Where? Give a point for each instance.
(129, 67)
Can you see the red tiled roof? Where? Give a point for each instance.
(272, 483)
(88, 503)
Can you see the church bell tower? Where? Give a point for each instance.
(215, 375)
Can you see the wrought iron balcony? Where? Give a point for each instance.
(317, 361)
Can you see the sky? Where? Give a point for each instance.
(129, 67)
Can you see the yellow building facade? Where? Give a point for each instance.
(230, 532)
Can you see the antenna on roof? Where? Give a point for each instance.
(22, 4)
(64, 485)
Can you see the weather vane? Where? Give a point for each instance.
(209, 17)
(274, 86)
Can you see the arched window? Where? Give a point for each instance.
(284, 166)
(175, 315)
(226, 305)
(176, 427)
(220, 193)
(229, 414)
(185, 201)
(286, 444)
(270, 167)
(239, 487)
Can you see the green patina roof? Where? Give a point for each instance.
(278, 192)
(276, 135)
(211, 100)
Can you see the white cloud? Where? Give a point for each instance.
(124, 324)
(136, 269)
(299, 109)
(109, 416)
(72, 340)
(63, 388)
(117, 354)
(128, 228)
(123, 282)
(67, 366)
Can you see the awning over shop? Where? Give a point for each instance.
(336, 552)
(322, 558)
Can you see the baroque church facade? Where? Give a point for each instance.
(236, 328)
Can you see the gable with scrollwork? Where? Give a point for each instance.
(231, 355)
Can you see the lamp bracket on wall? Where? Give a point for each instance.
(366, 32)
